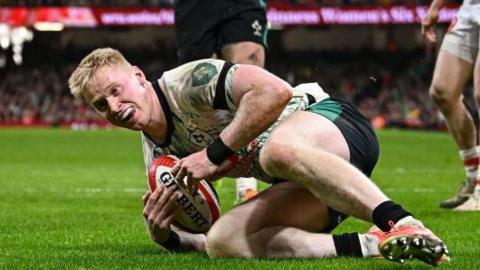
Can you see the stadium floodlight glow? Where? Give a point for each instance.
(48, 26)
(14, 37)
(4, 36)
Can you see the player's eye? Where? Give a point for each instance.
(100, 105)
(114, 91)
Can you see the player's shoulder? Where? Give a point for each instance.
(200, 72)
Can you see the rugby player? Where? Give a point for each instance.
(457, 62)
(232, 30)
(316, 151)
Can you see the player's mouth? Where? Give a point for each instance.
(127, 114)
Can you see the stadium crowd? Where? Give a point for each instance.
(390, 90)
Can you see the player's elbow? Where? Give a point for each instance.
(283, 93)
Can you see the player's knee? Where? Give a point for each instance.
(442, 95)
(245, 53)
(277, 155)
(215, 243)
(220, 242)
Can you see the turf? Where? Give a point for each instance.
(72, 200)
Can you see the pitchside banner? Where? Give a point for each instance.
(277, 16)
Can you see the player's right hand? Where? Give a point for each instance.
(160, 209)
(428, 24)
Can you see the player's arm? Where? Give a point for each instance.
(431, 19)
(260, 98)
(160, 209)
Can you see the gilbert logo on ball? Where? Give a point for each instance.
(199, 210)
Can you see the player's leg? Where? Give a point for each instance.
(244, 52)
(473, 201)
(195, 40)
(316, 159)
(452, 70)
(285, 220)
(243, 38)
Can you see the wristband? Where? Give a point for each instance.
(217, 152)
(172, 242)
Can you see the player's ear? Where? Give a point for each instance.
(140, 75)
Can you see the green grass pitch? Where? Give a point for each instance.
(72, 200)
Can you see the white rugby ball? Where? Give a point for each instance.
(199, 210)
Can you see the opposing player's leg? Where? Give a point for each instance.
(285, 220)
(473, 201)
(243, 38)
(195, 41)
(452, 70)
(244, 52)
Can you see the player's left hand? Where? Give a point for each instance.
(190, 170)
(428, 23)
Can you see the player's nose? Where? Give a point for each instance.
(114, 104)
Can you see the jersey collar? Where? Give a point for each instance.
(168, 115)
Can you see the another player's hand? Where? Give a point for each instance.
(428, 24)
(160, 209)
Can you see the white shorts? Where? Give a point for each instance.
(462, 38)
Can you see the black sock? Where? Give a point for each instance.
(387, 214)
(347, 244)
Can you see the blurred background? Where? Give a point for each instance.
(369, 52)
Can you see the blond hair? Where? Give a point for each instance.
(83, 75)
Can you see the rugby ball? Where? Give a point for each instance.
(200, 210)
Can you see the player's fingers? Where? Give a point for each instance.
(176, 168)
(146, 196)
(193, 186)
(162, 201)
(191, 182)
(168, 209)
(168, 220)
(152, 200)
(180, 178)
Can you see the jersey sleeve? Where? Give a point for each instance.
(204, 85)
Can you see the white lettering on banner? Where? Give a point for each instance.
(287, 17)
(402, 15)
(327, 15)
(162, 17)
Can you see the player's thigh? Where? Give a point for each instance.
(450, 75)
(310, 130)
(331, 125)
(455, 61)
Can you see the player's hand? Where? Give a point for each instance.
(189, 171)
(428, 24)
(160, 209)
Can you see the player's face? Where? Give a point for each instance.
(120, 95)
